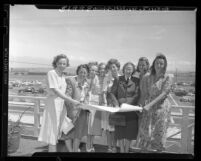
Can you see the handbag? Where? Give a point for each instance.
(117, 119)
(67, 125)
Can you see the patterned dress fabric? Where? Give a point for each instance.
(154, 122)
(79, 116)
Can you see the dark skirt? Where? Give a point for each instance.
(130, 130)
(80, 127)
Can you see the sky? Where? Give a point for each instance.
(36, 36)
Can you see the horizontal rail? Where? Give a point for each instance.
(184, 114)
(184, 107)
(24, 103)
(30, 97)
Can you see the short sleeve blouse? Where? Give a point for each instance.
(55, 81)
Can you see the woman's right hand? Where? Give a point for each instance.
(75, 102)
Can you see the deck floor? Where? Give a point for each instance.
(29, 146)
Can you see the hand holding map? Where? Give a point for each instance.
(124, 108)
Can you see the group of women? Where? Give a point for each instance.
(106, 85)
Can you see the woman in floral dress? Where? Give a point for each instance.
(154, 121)
(77, 88)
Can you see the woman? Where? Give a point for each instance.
(154, 122)
(126, 90)
(94, 124)
(142, 69)
(102, 83)
(113, 66)
(103, 88)
(54, 112)
(77, 88)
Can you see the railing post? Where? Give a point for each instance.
(184, 131)
(190, 130)
(36, 117)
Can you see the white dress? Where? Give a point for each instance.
(54, 112)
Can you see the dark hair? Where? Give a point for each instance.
(128, 63)
(57, 58)
(113, 61)
(143, 59)
(82, 66)
(158, 56)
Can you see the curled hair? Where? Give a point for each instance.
(143, 59)
(85, 66)
(99, 66)
(129, 63)
(113, 61)
(58, 57)
(159, 56)
(93, 63)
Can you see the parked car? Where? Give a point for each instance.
(180, 92)
(33, 90)
(27, 89)
(187, 99)
(40, 90)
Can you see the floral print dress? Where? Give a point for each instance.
(154, 122)
(79, 92)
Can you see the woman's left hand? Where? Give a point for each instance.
(146, 108)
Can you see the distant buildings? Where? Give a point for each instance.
(39, 71)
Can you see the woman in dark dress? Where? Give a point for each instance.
(126, 90)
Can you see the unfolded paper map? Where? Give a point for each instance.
(123, 108)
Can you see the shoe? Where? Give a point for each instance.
(114, 149)
(109, 150)
(90, 150)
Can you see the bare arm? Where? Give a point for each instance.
(166, 90)
(63, 96)
(157, 99)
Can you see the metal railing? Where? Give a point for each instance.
(186, 113)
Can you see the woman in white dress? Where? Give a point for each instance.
(54, 112)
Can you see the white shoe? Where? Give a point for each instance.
(90, 150)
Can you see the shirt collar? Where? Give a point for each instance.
(127, 78)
